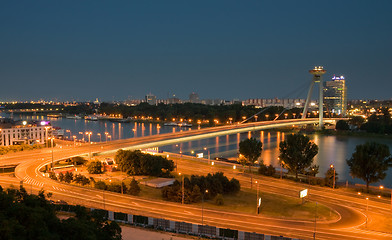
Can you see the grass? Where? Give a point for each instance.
(274, 205)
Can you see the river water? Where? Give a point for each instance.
(332, 149)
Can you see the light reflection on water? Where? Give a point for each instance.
(332, 149)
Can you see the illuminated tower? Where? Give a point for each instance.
(317, 73)
(335, 95)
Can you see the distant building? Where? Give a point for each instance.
(335, 95)
(194, 98)
(151, 99)
(286, 103)
(14, 133)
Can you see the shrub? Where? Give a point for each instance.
(219, 199)
(100, 185)
(134, 188)
(94, 167)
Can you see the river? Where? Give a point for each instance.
(332, 149)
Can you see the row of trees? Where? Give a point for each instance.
(369, 162)
(69, 177)
(133, 188)
(195, 186)
(25, 216)
(377, 123)
(138, 163)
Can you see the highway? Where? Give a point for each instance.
(352, 208)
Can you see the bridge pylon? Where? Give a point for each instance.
(317, 73)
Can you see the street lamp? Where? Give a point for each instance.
(89, 140)
(74, 139)
(99, 137)
(51, 140)
(208, 152)
(258, 201)
(382, 187)
(182, 188)
(281, 168)
(202, 207)
(334, 174)
(69, 131)
(106, 136)
(367, 210)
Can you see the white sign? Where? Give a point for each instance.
(303, 193)
(199, 155)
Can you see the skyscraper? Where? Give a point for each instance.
(151, 99)
(335, 95)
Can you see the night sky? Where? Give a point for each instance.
(114, 50)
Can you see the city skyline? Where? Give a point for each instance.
(225, 50)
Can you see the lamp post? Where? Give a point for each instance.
(178, 145)
(202, 207)
(281, 168)
(46, 136)
(100, 140)
(367, 210)
(182, 188)
(106, 136)
(382, 187)
(51, 140)
(208, 153)
(212, 166)
(334, 174)
(257, 199)
(74, 139)
(315, 222)
(89, 140)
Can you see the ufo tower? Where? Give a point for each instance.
(317, 73)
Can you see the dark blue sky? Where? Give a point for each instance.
(220, 49)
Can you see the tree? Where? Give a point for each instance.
(297, 153)
(357, 121)
(342, 125)
(250, 149)
(68, 177)
(134, 188)
(25, 216)
(369, 162)
(94, 167)
(329, 177)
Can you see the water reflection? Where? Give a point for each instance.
(332, 149)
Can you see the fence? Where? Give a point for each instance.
(178, 227)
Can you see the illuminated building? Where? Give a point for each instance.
(24, 133)
(335, 95)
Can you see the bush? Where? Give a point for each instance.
(68, 177)
(78, 160)
(81, 179)
(61, 177)
(52, 175)
(94, 167)
(134, 188)
(267, 171)
(194, 188)
(100, 185)
(138, 163)
(342, 125)
(114, 187)
(219, 199)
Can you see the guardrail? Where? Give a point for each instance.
(178, 227)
